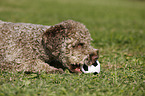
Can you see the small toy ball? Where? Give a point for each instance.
(94, 68)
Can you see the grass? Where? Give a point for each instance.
(118, 30)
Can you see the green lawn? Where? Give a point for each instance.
(118, 30)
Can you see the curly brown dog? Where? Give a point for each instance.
(36, 48)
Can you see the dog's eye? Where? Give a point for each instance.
(79, 45)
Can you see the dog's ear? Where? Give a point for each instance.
(54, 34)
(52, 38)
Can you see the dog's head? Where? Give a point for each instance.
(69, 43)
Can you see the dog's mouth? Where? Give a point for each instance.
(75, 68)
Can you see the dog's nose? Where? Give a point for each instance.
(94, 56)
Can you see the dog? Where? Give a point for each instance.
(38, 48)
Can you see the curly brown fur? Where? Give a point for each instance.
(35, 48)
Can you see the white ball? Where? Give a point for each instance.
(94, 68)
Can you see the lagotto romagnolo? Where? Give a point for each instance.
(36, 48)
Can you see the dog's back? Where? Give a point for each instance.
(20, 43)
